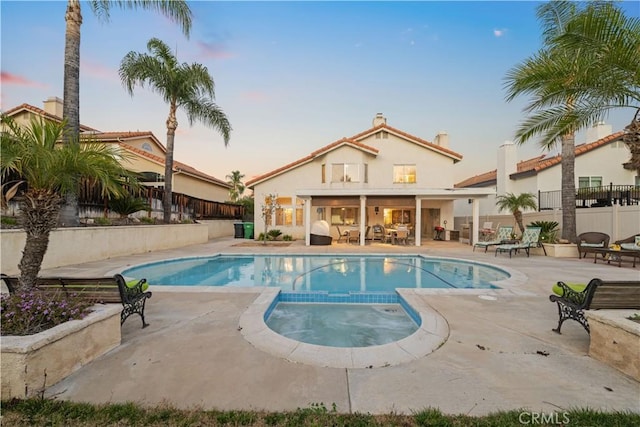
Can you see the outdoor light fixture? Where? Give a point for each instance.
(377, 210)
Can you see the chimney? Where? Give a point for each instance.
(379, 119)
(507, 164)
(442, 139)
(598, 131)
(53, 105)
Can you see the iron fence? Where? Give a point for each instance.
(592, 197)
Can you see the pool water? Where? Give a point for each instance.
(341, 325)
(333, 274)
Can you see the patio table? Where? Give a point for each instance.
(616, 255)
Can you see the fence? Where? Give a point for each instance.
(92, 204)
(592, 197)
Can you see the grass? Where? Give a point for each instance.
(46, 412)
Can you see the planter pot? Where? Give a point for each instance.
(34, 362)
(615, 340)
(568, 250)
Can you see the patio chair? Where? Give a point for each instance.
(487, 231)
(529, 240)
(504, 233)
(342, 234)
(402, 234)
(378, 233)
(353, 235)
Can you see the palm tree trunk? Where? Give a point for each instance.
(518, 216)
(71, 91)
(39, 213)
(71, 98)
(568, 188)
(172, 125)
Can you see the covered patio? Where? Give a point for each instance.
(421, 210)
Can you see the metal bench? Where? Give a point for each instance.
(598, 294)
(105, 290)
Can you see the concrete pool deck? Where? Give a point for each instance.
(500, 353)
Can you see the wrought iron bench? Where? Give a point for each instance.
(133, 295)
(597, 294)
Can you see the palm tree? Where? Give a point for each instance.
(189, 86)
(512, 203)
(176, 10)
(546, 76)
(237, 187)
(50, 170)
(587, 67)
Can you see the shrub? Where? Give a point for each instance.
(548, 230)
(147, 220)
(125, 206)
(9, 220)
(102, 221)
(274, 234)
(287, 238)
(28, 313)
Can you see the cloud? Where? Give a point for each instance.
(255, 96)
(499, 32)
(15, 80)
(98, 71)
(213, 51)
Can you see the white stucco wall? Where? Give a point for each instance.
(98, 243)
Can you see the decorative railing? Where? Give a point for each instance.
(592, 197)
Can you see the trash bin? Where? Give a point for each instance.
(248, 230)
(239, 230)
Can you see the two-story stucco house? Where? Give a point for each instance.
(142, 153)
(379, 176)
(601, 160)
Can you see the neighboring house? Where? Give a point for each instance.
(142, 153)
(598, 162)
(380, 176)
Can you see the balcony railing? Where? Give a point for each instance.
(592, 197)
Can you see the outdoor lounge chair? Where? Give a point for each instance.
(504, 233)
(529, 240)
(487, 231)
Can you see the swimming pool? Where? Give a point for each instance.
(330, 273)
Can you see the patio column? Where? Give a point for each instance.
(363, 219)
(475, 215)
(417, 229)
(307, 221)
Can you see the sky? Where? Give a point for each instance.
(295, 76)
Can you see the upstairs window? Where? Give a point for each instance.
(589, 181)
(404, 174)
(346, 172)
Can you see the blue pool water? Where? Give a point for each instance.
(332, 274)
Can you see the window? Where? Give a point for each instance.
(344, 216)
(324, 173)
(345, 172)
(382, 135)
(403, 174)
(589, 181)
(284, 213)
(147, 147)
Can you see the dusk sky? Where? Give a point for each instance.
(295, 76)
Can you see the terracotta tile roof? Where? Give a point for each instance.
(120, 136)
(354, 142)
(313, 155)
(41, 112)
(536, 164)
(487, 178)
(410, 137)
(177, 166)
